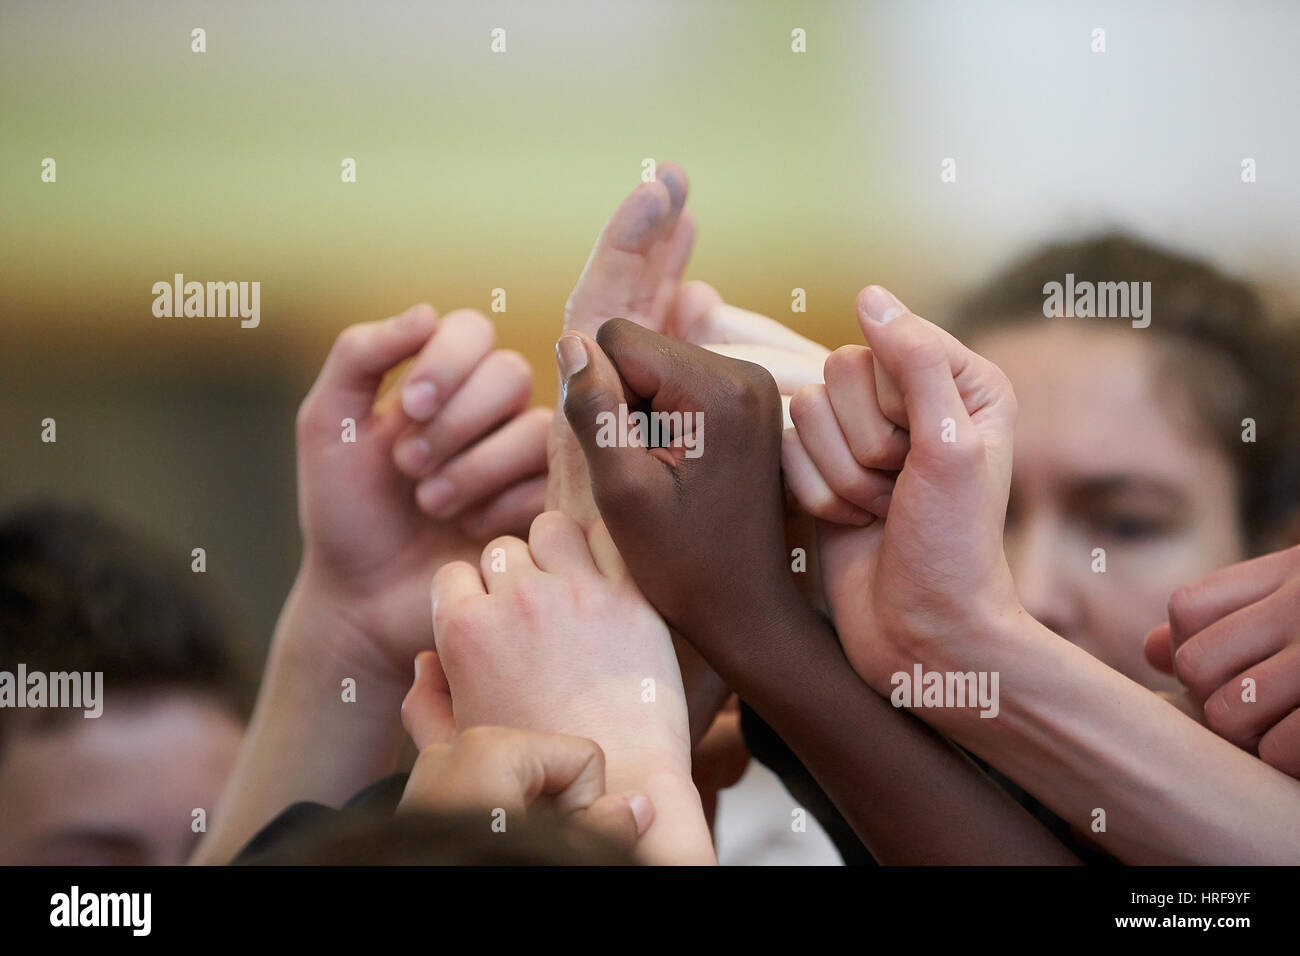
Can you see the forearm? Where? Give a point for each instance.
(911, 797)
(1082, 737)
(305, 741)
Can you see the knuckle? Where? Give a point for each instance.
(1223, 720)
(549, 523)
(1280, 751)
(620, 493)
(351, 343)
(505, 542)
(1182, 605)
(860, 487)
(613, 333)
(1192, 666)
(531, 606)
(751, 394)
(472, 321)
(538, 418)
(871, 448)
(510, 367)
(821, 503)
(803, 401)
(461, 633)
(844, 363)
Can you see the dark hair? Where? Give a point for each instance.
(463, 838)
(1220, 346)
(78, 593)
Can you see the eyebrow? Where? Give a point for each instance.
(101, 838)
(1106, 485)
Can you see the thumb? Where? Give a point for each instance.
(590, 385)
(426, 710)
(620, 818)
(595, 401)
(1159, 649)
(940, 384)
(915, 362)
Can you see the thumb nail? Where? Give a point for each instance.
(881, 305)
(571, 355)
(643, 812)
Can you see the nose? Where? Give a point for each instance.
(1037, 550)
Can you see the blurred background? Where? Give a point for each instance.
(478, 170)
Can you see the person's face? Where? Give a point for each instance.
(118, 789)
(1106, 456)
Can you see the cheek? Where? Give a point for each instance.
(1126, 606)
(1119, 619)
(1132, 597)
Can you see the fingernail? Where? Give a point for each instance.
(642, 812)
(417, 666)
(413, 454)
(571, 355)
(419, 400)
(881, 305)
(435, 496)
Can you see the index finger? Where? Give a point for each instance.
(1195, 607)
(362, 354)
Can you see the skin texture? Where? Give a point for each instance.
(72, 793)
(1105, 457)
(517, 771)
(359, 607)
(635, 271)
(733, 596)
(1235, 624)
(929, 584)
(552, 635)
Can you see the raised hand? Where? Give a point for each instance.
(905, 453)
(506, 768)
(699, 520)
(552, 635)
(636, 266)
(358, 612)
(378, 517)
(663, 501)
(1234, 641)
(634, 272)
(915, 575)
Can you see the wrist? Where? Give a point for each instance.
(679, 834)
(1011, 657)
(318, 639)
(761, 651)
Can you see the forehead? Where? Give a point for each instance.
(1093, 400)
(141, 767)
